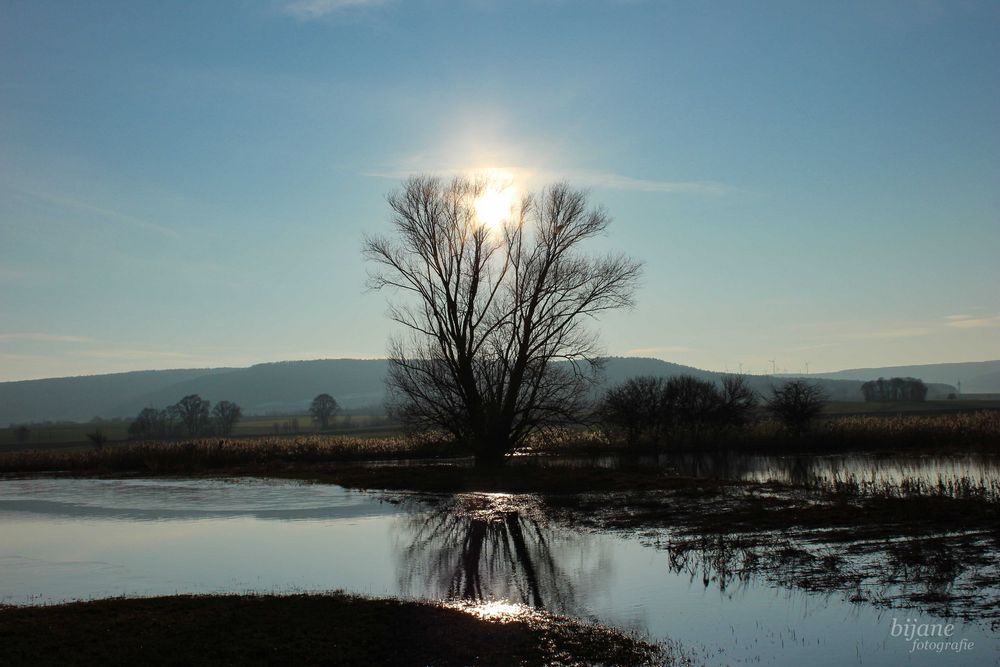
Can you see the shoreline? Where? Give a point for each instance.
(332, 628)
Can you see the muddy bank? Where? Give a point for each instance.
(305, 629)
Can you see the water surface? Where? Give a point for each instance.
(76, 538)
(798, 468)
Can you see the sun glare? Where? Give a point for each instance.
(494, 206)
(496, 610)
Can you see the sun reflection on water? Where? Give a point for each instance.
(501, 611)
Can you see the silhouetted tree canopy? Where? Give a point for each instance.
(796, 403)
(691, 402)
(150, 423)
(192, 413)
(737, 400)
(322, 409)
(647, 409)
(895, 389)
(490, 310)
(637, 409)
(226, 414)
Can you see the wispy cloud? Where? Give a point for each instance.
(43, 337)
(313, 9)
(972, 321)
(77, 205)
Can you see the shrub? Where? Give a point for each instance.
(635, 408)
(738, 401)
(97, 438)
(691, 402)
(796, 403)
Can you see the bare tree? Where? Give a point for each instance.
(97, 438)
(322, 410)
(147, 424)
(691, 403)
(796, 403)
(738, 400)
(226, 414)
(493, 310)
(636, 409)
(192, 412)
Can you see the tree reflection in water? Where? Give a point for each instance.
(481, 547)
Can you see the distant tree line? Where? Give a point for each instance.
(192, 416)
(894, 389)
(646, 410)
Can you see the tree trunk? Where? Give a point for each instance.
(491, 448)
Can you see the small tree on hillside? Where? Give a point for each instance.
(225, 415)
(322, 410)
(796, 403)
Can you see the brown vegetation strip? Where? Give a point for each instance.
(911, 433)
(335, 629)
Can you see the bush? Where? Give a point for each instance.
(97, 438)
(646, 409)
(691, 402)
(738, 401)
(635, 409)
(796, 403)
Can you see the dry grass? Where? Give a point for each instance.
(214, 454)
(892, 433)
(960, 488)
(834, 434)
(939, 433)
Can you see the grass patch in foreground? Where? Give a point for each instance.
(334, 629)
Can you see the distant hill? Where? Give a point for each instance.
(282, 387)
(285, 387)
(975, 376)
(988, 383)
(83, 397)
(619, 368)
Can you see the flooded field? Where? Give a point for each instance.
(81, 538)
(799, 469)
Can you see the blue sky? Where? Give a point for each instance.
(187, 184)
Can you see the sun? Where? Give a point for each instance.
(493, 207)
